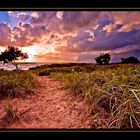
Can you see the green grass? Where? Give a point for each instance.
(113, 89)
(16, 83)
(65, 69)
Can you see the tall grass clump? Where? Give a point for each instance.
(114, 95)
(16, 83)
(10, 115)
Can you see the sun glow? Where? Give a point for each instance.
(2, 49)
(37, 49)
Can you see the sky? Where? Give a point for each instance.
(71, 36)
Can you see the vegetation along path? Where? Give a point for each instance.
(50, 107)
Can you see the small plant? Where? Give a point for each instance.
(11, 113)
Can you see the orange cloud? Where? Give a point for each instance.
(57, 57)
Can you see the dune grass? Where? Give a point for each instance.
(16, 83)
(112, 91)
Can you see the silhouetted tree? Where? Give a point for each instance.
(130, 59)
(103, 58)
(12, 54)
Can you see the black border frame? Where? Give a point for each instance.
(70, 5)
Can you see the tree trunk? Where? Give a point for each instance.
(16, 65)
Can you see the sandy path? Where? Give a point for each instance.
(50, 107)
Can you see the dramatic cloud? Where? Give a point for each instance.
(66, 21)
(72, 36)
(26, 35)
(5, 34)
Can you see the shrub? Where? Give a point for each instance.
(103, 58)
(131, 59)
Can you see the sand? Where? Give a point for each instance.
(51, 106)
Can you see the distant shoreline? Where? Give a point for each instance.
(40, 65)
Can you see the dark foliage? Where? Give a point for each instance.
(131, 59)
(103, 58)
(11, 55)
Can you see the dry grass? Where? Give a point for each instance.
(16, 83)
(114, 94)
(112, 91)
(9, 117)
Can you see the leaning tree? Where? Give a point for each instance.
(12, 54)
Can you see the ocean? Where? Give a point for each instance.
(23, 66)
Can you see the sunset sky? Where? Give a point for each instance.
(64, 36)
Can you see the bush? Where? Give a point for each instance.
(131, 59)
(103, 59)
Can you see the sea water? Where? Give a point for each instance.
(22, 66)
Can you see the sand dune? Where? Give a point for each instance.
(50, 107)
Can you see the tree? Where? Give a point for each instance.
(130, 59)
(103, 58)
(12, 54)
